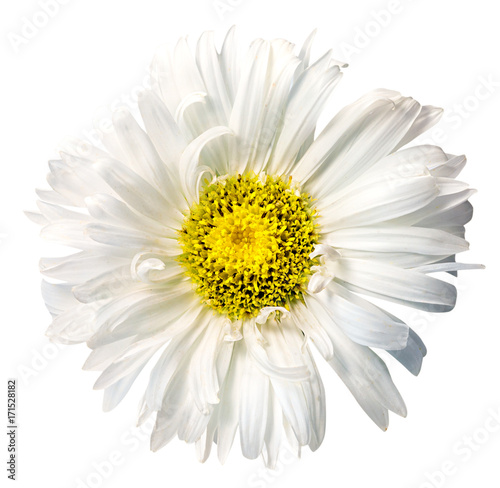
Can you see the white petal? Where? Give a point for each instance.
(104, 286)
(208, 64)
(162, 129)
(305, 102)
(273, 430)
(121, 368)
(451, 168)
(230, 66)
(143, 156)
(437, 268)
(427, 118)
(190, 160)
(115, 393)
(164, 79)
(255, 344)
(136, 191)
(359, 136)
(58, 297)
(79, 267)
(110, 210)
(417, 240)
(134, 240)
(101, 357)
(399, 259)
(166, 366)
(158, 315)
(363, 372)
(437, 206)
(203, 380)
(290, 393)
(412, 355)
(379, 201)
(69, 233)
(228, 417)
(313, 388)
(73, 326)
(313, 330)
(266, 311)
(271, 120)
(56, 212)
(248, 104)
(36, 217)
(305, 50)
(362, 321)
(412, 288)
(253, 410)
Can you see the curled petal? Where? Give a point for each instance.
(254, 341)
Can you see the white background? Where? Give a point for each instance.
(93, 55)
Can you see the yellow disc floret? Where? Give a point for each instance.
(246, 244)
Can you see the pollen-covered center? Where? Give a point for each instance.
(246, 244)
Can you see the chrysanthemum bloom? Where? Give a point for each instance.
(224, 238)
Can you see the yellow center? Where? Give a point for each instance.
(246, 244)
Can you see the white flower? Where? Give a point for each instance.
(224, 236)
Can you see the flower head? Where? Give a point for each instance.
(229, 238)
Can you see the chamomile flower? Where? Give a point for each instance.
(221, 239)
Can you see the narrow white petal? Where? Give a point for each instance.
(438, 206)
(313, 388)
(290, 393)
(169, 361)
(417, 240)
(451, 168)
(104, 286)
(274, 428)
(363, 372)
(79, 267)
(230, 64)
(124, 367)
(406, 286)
(54, 212)
(228, 417)
(136, 191)
(36, 217)
(134, 240)
(58, 297)
(359, 136)
(427, 118)
(363, 322)
(380, 201)
(305, 102)
(162, 129)
(412, 355)
(271, 120)
(437, 268)
(248, 104)
(69, 233)
(73, 326)
(143, 156)
(101, 357)
(115, 393)
(208, 63)
(253, 410)
(305, 50)
(313, 330)
(52, 197)
(203, 380)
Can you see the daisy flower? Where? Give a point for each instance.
(220, 239)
